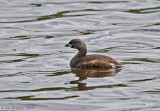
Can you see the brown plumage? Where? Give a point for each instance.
(81, 60)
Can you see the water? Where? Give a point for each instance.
(34, 65)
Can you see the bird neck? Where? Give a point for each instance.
(81, 52)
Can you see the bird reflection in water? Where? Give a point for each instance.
(83, 74)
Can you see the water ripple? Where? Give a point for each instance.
(34, 65)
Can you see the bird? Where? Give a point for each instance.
(83, 61)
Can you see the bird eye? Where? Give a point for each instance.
(73, 43)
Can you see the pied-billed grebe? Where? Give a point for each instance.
(81, 60)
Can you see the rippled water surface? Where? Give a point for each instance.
(34, 65)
